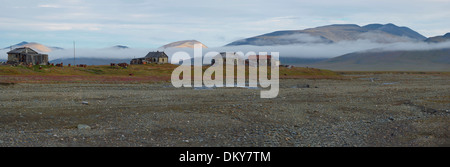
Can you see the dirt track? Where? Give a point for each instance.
(387, 110)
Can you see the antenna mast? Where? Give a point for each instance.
(74, 53)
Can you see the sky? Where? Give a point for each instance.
(151, 24)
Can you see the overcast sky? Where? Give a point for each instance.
(151, 24)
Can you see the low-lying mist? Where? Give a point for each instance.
(313, 50)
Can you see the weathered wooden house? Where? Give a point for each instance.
(26, 56)
(256, 58)
(152, 57)
(231, 55)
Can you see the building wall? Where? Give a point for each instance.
(39, 59)
(163, 60)
(160, 60)
(13, 58)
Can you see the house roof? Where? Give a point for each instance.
(23, 50)
(156, 54)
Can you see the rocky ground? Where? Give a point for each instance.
(365, 110)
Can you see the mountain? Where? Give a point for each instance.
(438, 39)
(387, 33)
(36, 46)
(90, 61)
(120, 47)
(183, 44)
(423, 60)
(395, 30)
(299, 61)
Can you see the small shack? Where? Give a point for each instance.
(152, 57)
(231, 55)
(26, 56)
(256, 58)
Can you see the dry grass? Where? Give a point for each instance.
(132, 74)
(391, 72)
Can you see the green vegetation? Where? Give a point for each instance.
(391, 72)
(131, 74)
(137, 70)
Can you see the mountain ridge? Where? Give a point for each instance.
(437, 39)
(182, 44)
(386, 33)
(400, 60)
(34, 45)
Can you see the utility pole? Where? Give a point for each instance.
(74, 53)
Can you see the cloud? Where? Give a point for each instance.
(3, 55)
(381, 37)
(49, 6)
(414, 46)
(328, 50)
(204, 20)
(287, 40)
(112, 53)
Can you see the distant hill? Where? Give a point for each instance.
(425, 60)
(395, 30)
(36, 46)
(183, 44)
(120, 47)
(299, 61)
(387, 33)
(438, 39)
(90, 61)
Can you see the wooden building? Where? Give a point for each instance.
(267, 59)
(231, 55)
(152, 57)
(26, 56)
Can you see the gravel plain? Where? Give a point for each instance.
(366, 110)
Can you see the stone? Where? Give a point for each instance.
(83, 127)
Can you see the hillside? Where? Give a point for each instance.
(438, 39)
(36, 46)
(133, 74)
(183, 44)
(120, 47)
(426, 60)
(387, 33)
(300, 61)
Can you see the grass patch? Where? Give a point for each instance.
(133, 73)
(94, 71)
(392, 72)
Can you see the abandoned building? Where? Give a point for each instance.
(231, 55)
(152, 57)
(256, 58)
(26, 56)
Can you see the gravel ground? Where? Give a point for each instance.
(372, 110)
